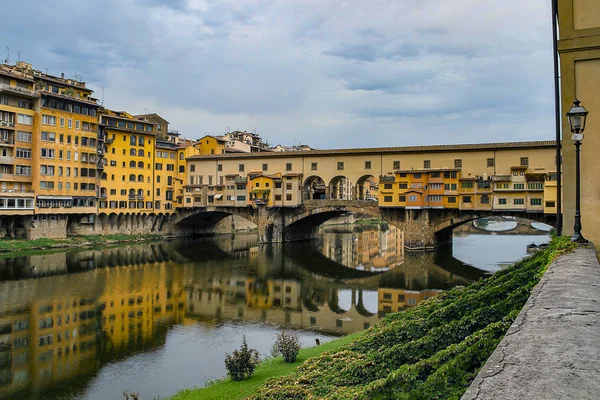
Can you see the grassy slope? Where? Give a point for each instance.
(230, 390)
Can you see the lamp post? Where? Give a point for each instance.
(577, 116)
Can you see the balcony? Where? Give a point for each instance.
(241, 179)
(136, 197)
(7, 177)
(7, 160)
(503, 178)
(7, 124)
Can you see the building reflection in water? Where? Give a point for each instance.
(64, 328)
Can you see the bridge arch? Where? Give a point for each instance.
(340, 188)
(314, 188)
(366, 187)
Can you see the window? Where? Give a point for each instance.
(288, 166)
(485, 199)
(192, 167)
(23, 170)
(133, 140)
(466, 185)
(23, 153)
(417, 176)
(396, 164)
(70, 123)
(458, 163)
(535, 185)
(367, 164)
(412, 197)
(427, 164)
(435, 198)
(46, 185)
(241, 198)
(387, 185)
(519, 186)
(387, 199)
(23, 136)
(48, 120)
(313, 166)
(402, 198)
(47, 153)
(48, 136)
(47, 170)
(550, 204)
(502, 202)
(435, 186)
(467, 199)
(241, 168)
(340, 165)
(25, 119)
(490, 162)
(288, 196)
(403, 186)
(182, 169)
(525, 161)
(536, 201)
(451, 199)
(518, 202)
(288, 186)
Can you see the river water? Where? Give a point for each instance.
(158, 317)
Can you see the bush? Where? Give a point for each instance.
(241, 364)
(288, 345)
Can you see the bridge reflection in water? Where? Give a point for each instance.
(100, 306)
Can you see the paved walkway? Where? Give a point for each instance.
(552, 350)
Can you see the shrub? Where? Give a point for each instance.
(241, 364)
(288, 345)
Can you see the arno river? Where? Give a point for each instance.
(158, 317)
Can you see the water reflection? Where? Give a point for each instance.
(60, 332)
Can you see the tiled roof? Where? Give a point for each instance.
(386, 150)
(425, 170)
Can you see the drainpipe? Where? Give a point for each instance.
(557, 117)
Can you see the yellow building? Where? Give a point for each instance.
(579, 49)
(127, 184)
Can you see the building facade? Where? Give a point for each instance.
(579, 49)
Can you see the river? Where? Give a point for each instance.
(157, 317)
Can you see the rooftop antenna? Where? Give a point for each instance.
(102, 101)
(7, 55)
(19, 55)
(145, 111)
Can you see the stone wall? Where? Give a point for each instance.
(51, 229)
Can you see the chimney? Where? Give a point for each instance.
(62, 75)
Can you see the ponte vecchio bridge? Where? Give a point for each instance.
(425, 191)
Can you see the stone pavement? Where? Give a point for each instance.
(552, 350)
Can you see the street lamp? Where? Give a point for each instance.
(577, 116)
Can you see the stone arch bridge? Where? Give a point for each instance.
(423, 228)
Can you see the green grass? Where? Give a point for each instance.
(18, 246)
(275, 367)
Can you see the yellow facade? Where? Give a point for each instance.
(579, 50)
(127, 184)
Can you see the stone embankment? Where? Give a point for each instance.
(552, 350)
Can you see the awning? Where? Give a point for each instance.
(55, 198)
(218, 196)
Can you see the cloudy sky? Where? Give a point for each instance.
(328, 73)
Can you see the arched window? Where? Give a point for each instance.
(132, 178)
(104, 176)
(103, 192)
(141, 140)
(133, 140)
(132, 152)
(132, 192)
(140, 178)
(141, 152)
(131, 164)
(140, 192)
(149, 154)
(141, 164)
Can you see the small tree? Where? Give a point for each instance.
(288, 345)
(241, 364)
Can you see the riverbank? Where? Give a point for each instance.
(14, 247)
(272, 368)
(433, 350)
